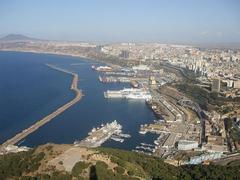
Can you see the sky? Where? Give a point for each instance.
(166, 21)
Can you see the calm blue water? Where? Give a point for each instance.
(29, 90)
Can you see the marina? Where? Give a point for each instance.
(150, 145)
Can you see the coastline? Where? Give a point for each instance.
(25, 132)
(60, 54)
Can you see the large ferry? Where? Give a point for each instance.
(138, 95)
(129, 93)
(113, 94)
(102, 68)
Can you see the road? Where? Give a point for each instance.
(195, 107)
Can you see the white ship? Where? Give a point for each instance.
(143, 96)
(113, 94)
(142, 132)
(117, 139)
(129, 93)
(124, 135)
(103, 68)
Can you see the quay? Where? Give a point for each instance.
(100, 135)
(20, 136)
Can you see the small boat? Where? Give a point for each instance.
(117, 139)
(142, 132)
(124, 135)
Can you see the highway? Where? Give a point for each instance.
(180, 70)
(20, 136)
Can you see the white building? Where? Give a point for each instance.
(237, 84)
(229, 83)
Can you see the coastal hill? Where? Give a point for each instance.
(17, 37)
(52, 161)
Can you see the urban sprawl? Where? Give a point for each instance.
(193, 92)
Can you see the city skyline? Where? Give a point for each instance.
(136, 21)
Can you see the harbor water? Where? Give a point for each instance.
(29, 90)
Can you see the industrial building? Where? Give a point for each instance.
(185, 145)
(141, 68)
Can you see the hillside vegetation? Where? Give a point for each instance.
(103, 164)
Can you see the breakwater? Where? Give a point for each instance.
(23, 134)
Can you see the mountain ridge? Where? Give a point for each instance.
(18, 37)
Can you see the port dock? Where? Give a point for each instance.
(23, 134)
(100, 135)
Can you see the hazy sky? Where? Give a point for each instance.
(173, 21)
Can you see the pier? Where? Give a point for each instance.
(100, 135)
(23, 134)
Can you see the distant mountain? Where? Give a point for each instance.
(17, 37)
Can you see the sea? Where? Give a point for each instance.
(30, 90)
